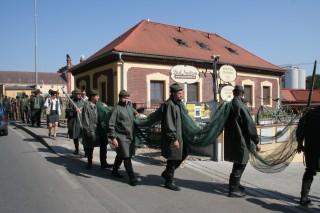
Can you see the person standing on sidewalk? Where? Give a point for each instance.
(24, 108)
(55, 111)
(36, 103)
(239, 131)
(173, 147)
(120, 131)
(74, 122)
(307, 133)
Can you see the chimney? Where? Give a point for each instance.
(69, 64)
(179, 29)
(209, 35)
(81, 58)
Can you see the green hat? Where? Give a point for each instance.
(175, 87)
(124, 93)
(238, 88)
(94, 92)
(76, 91)
(53, 92)
(36, 91)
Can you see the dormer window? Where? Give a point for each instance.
(203, 45)
(233, 51)
(181, 42)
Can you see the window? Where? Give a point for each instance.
(266, 95)
(233, 51)
(192, 95)
(103, 87)
(156, 93)
(181, 42)
(203, 45)
(248, 94)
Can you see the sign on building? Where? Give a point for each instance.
(184, 74)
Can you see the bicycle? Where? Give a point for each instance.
(283, 113)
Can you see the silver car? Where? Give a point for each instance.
(3, 121)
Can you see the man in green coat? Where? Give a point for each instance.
(239, 131)
(93, 132)
(173, 148)
(120, 131)
(308, 135)
(74, 120)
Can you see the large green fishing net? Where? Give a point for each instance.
(204, 135)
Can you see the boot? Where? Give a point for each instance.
(89, 165)
(234, 189)
(169, 180)
(130, 172)
(116, 165)
(76, 146)
(306, 185)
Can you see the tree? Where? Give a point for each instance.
(316, 82)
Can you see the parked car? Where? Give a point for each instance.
(3, 121)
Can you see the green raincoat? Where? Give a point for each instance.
(239, 130)
(91, 125)
(73, 123)
(121, 127)
(171, 130)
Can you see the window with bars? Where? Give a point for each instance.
(156, 93)
(248, 94)
(266, 95)
(192, 92)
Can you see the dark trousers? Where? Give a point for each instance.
(308, 174)
(238, 169)
(103, 154)
(36, 117)
(24, 115)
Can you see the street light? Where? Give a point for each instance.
(215, 59)
(35, 42)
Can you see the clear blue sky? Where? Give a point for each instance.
(279, 31)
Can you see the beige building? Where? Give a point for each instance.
(13, 83)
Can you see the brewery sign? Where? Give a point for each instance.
(184, 74)
(226, 93)
(227, 73)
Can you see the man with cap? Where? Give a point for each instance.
(239, 131)
(74, 120)
(120, 131)
(93, 133)
(173, 147)
(308, 138)
(36, 105)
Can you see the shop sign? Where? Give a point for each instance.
(226, 93)
(227, 73)
(184, 74)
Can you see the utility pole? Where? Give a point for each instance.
(215, 101)
(35, 43)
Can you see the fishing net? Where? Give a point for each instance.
(204, 135)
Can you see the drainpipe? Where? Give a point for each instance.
(122, 71)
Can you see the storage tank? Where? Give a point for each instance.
(292, 78)
(302, 79)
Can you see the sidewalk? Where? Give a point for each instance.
(278, 188)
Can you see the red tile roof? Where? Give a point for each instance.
(299, 96)
(156, 39)
(14, 77)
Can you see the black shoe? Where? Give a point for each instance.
(133, 180)
(116, 174)
(306, 202)
(172, 186)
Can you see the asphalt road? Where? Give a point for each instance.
(34, 179)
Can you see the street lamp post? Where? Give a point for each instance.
(35, 43)
(215, 101)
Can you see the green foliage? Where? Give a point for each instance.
(316, 82)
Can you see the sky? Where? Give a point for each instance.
(282, 32)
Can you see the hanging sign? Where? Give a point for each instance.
(226, 93)
(227, 73)
(184, 74)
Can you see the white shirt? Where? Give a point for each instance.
(53, 102)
